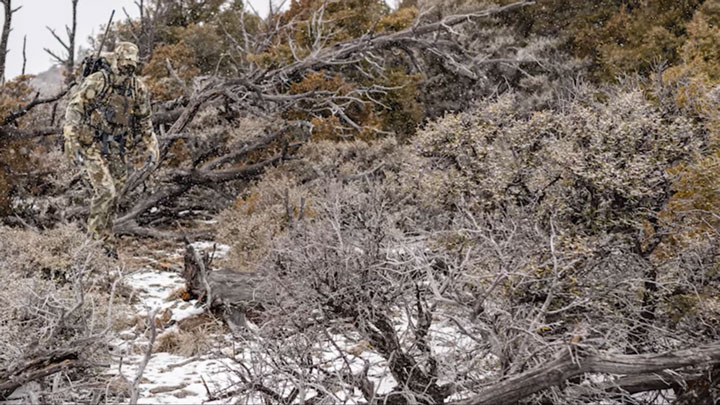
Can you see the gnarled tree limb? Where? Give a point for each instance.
(568, 365)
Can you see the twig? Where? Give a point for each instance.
(148, 353)
(13, 116)
(175, 77)
(24, 56)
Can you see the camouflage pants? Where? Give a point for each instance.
(107, 175)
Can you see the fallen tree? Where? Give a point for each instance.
(45, 363)
(651, 371)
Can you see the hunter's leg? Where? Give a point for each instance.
(104, 200)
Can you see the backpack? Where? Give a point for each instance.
(91, 64)
(109, 103)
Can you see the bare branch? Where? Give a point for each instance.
(13, 116)
(574, 362)
(177, 78)
(11, 132)
(64, 45)
(24, 55)
(135, 389)
(68, 62)
(53, 55)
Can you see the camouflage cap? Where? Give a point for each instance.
(126, 54)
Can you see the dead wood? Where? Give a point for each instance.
(7, 27)
(42, 364)
(232, 294)
(575, 362)
(11, 132)
(68, 45)
(36, 101)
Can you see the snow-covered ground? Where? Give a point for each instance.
(210, 377)
(170, 378)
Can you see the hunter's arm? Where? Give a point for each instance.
(75, 128)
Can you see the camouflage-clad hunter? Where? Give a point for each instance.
(104, 117)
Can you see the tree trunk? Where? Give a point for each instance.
(70, 63)
(5, 35)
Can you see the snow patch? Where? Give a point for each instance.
(155, 287)
(221, 250)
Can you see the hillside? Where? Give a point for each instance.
(444, 202)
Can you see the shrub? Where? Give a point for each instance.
(159, 81)
(56, 298)
(261, 213)
(543, 230)
(584, 165)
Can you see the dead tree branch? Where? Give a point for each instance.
(266, 89)
(68, 45)
(135, 389)
(36, 101)
(42, 365)
(574, 362)
(11, 132)
(24, 55)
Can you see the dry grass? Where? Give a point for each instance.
(192, 337)
(51, 253)
(129, 321)
(176, 294)
(57, 291)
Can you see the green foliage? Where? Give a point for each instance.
(344, 21)
(350, 18)
(184, 13)
(198, 37)
(693, 210)
(618, 36)
(398, 20)
(404, 111)
(699, 72)
(206, 44)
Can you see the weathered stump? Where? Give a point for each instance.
(234, 295)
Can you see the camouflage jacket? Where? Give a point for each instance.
(112, 104)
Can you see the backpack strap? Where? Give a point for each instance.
(103, 93)
(107, 83)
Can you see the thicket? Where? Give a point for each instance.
(62, 298)
(553, 220)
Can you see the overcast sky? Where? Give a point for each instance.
(35, 15)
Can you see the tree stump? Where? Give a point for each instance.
(234, 295)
